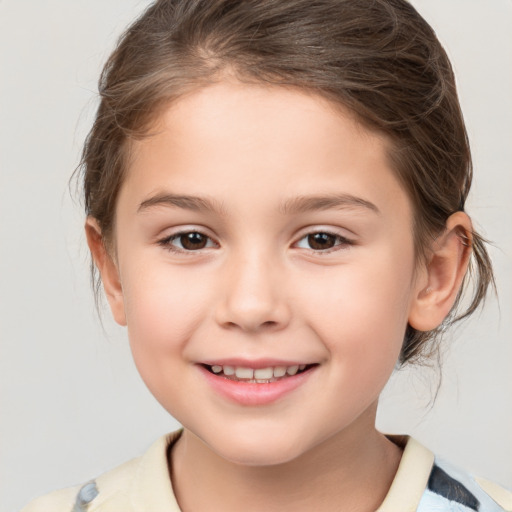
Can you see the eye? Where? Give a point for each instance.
(324, 241)
(186, 241)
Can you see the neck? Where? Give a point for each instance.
(350, 471)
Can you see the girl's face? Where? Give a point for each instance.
(259, 230)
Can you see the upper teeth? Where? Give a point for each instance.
(242, 372)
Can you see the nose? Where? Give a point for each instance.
(253, 294)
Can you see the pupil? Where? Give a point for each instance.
(193, 241)
(320, 240)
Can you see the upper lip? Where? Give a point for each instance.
(253, 363)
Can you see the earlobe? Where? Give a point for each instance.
(443, 274)
(107, 268)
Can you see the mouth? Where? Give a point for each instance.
(249, 375)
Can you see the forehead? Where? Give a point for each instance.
(249, 109)
(249, 137)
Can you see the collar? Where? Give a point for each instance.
(152, 484)
(412, 476)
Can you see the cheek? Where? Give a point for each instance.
(161, 313)
(362, 313)
(162, 308)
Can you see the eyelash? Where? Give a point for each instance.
(344, 242)
(166, 242)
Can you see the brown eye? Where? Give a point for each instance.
(319, 241)
(323, 242)
(187, 241)
(193, 240)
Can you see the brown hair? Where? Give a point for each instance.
(378, 58)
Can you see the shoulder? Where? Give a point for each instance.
(458, 490)
(79, 498)
(424, 483)
(57, 501)
(125, 487)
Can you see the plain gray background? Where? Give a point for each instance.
(72, 403)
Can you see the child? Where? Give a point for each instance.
(275, 201)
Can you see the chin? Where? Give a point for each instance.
(259, 458)
(258, 451)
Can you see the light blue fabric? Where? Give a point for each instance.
(433, 502)
(85, 495)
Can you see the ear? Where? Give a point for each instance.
(439, 281)
(107, 269)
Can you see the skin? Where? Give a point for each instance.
(259, 288)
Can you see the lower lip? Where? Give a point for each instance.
(248, 393)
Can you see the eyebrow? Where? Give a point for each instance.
(194, 203)
(295, 205)
(302, 204)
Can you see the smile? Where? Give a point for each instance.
(248, 386)
(256, 375)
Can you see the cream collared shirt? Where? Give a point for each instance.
(421, 484)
